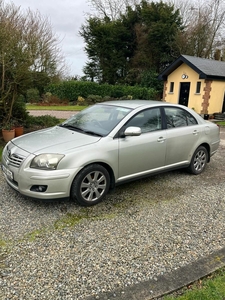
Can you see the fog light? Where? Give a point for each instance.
(38, 188)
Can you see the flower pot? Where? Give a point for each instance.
(8, 134)
(18, 131)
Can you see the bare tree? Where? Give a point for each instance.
(186, 8)
(111, 8)
(204, 25)
(27, 46)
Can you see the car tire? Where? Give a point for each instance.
(90, 185)
(198, 161)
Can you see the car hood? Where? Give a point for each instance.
(53, 140)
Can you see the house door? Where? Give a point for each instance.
(184, 93)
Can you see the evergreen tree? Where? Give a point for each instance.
(143, 38)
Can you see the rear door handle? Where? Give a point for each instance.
(195, 132)
(161, 139)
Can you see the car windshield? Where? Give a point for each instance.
(98, 119)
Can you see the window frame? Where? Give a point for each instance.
(198, 87)
(165, 125)
(160, 120)
(171, 87)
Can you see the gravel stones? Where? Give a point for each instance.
(143, 229)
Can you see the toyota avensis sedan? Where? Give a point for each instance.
(105, 145)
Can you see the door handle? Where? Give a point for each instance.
(161, 139)
(195, 132)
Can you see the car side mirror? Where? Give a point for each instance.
(132, 131)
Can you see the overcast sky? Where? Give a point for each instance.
(66, 18)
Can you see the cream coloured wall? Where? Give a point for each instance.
(195, 100)
(216, 96)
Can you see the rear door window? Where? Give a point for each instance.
(178, 117)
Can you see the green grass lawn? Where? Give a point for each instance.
(211, 287)
(221, 123)
(55, 107)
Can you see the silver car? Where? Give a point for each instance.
(105, 145)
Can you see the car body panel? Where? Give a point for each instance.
(133, 149)
(125, 157)
(182, 138)
(47, 140)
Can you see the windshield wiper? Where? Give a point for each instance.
(80, 129)
(71, 127)
(92, 133)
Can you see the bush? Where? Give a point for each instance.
(71, 90)
(41, 121)
(92, 99)
(81, 101)
(49, 99)
(19, 112)
(33, 96)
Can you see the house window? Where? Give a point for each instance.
(198, 87)
(171, 87)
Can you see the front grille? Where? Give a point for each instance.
(13, 159)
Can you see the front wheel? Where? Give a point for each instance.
(91, 185)
(198, 161)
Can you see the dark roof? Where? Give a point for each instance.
(206, 68)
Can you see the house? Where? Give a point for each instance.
(195, 82)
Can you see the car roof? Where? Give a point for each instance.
(133, 103)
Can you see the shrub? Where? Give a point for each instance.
(71, 90)
(19, 112)
(33, 96)
(80, 101)
(107, 98)
(42, 121)
(49, 99)
(92, 99)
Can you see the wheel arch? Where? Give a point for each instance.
(106, 166)
(207, 147)
(110, 171)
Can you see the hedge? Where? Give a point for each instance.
(71, 90)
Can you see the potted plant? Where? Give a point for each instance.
(18, 128)
(8, 131)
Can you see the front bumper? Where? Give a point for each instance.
(27, 180)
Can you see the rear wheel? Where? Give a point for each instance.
(91, 185)
(199, 161)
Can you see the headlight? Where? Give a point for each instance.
(46, 161)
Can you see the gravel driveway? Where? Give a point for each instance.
(58, 114)
(143, 229)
